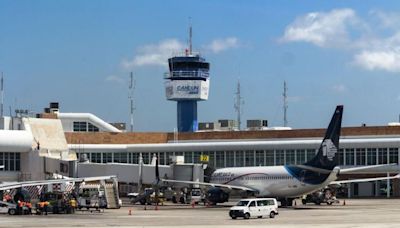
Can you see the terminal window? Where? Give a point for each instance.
(80, 126)
(11, 161)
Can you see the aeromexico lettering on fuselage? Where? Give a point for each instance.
(188, 89)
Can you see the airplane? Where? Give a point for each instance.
(285, 182)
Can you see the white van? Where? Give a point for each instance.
(258, 207)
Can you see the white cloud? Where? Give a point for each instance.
(220, 45)
(320, 28)
(380, 54)
(339, 88)
(154, 54)
(114, 78)
(343, 29)
(387, 19)
(379, 60)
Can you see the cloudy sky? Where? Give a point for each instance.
(80, 53)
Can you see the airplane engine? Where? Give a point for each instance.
(217, 195)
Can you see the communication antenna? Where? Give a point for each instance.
(190, 36)
(2, 96)
(285, 104)
(131, 90)
(238, 104)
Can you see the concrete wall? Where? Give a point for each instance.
(8, 176)
(32, 166)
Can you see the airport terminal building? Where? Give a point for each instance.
(106, 146)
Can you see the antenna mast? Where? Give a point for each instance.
(131, 90)
(238, 104)
(285, 104)
(190, 36)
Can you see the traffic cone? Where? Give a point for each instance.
(130, 211)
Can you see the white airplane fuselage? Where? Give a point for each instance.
(269, 181)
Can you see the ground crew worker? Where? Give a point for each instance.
(29, 206)
(45, 206)
(19, 207)
(40, 206)
(72, 202)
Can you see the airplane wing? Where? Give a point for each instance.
(365, 180)
(363, 168)
(210, 184)
(5, 186)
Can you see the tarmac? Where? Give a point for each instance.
(355, 213)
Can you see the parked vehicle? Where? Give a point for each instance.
(258, 207)
(323, 196)
(11, 208)
(196, 195)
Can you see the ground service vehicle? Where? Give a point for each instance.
(91, 196)
(57, 203)
(196, 196)
(257, 207)
(318, 197)
(11, 208)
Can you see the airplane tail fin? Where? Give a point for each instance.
(326, 157)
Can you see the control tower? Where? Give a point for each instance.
(186, 83)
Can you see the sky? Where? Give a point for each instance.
(80, 53)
